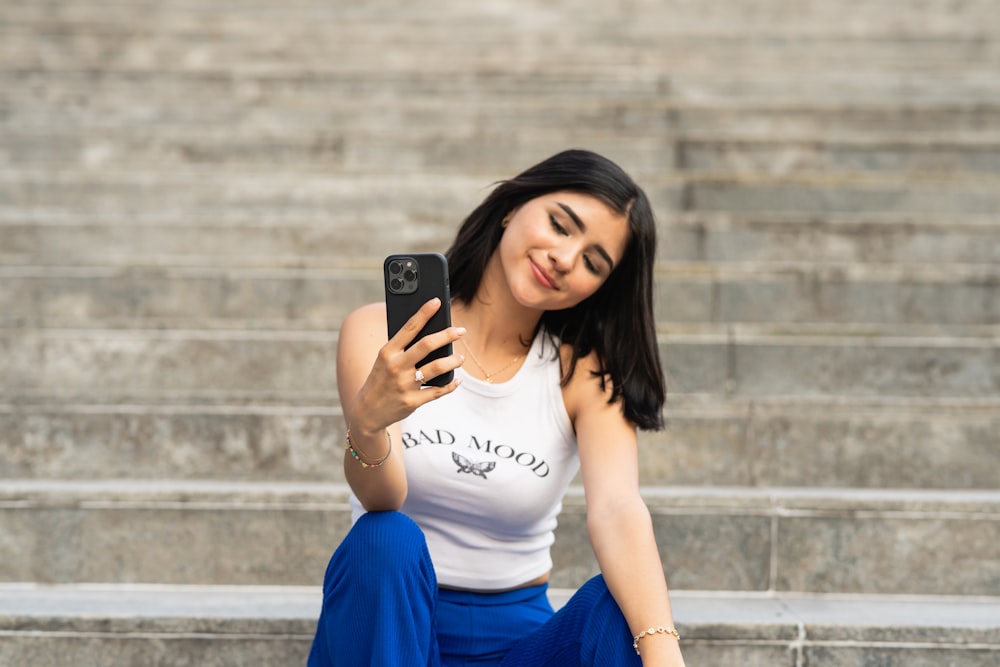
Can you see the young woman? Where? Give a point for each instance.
(456, 489)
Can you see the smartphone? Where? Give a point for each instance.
(411, 280)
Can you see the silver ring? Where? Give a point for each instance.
(419, 376)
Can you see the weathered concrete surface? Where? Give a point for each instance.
(212, 625)
(246, 533)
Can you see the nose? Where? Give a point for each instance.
(563, 257)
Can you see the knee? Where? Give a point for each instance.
(384, 551)
(385, 540)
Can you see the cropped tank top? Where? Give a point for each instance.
(487, 467)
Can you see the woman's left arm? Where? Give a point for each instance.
(618, 521)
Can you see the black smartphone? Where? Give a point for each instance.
(411, 280)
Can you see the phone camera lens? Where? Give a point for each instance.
(409, 276)
(396, 284)
(395, 267)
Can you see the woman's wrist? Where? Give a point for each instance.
(365, 433)
(367, 460)
(661, 651)
(660, 630)
(363, 429)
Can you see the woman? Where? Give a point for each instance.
(456, 489)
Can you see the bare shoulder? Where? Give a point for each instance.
(585, 391)
(606, 439)
(367, 321)
(362, 333)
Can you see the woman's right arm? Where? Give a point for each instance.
(377, 388)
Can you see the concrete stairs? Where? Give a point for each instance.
(192, 195)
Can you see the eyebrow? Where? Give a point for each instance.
(583, 228)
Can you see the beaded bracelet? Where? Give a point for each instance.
(653, 631)
(349, 446)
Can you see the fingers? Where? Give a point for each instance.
(409, 331)
(428, 393)
(415, 350)
(439, 366)
(433, 342)
(392, 388)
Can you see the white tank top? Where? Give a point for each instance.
(487, 467)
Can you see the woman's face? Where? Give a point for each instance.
(559, 248)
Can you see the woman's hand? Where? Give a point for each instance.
(378, 387)
(393, 388)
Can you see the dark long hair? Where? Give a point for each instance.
(617, 320)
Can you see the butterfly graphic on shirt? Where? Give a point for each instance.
(478, 469)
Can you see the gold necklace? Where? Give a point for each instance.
(487, 376)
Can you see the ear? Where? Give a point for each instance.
(510, 214)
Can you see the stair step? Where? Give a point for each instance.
(828, 193)
(260, 533)
(275, 297)
(753, 442)
(819, 540)
(137, 365)
(779, 155)
(95, 105)
(765, 365)
(442, 196)
(130, 365)
(316, 147)
(867, 443)
(343, 149)
(218, 38)
(209, 192)
(822, 238)
(772, 23)
(623, 80)
(228, 441)
(810, 118)
(773, 17)
(126, 624)
(222, 43)
(248, 239)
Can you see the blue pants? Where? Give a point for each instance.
(382, 608)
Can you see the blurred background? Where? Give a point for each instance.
(194, 193)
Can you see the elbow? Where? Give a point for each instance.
(382, 499)
(383, 504)
(382, 489)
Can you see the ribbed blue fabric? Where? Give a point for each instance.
(589, 631)
(379, 598)
(481, 628)
(382, 608)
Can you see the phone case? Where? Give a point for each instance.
(411, 280)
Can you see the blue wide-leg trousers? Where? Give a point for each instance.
(382, 608)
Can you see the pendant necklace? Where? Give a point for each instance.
(487, 376)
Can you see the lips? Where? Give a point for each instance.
(542, 276)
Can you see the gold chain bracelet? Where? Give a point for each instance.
(356, 453)
(653, 631)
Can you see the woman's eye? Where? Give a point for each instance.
(591, 266)
(556, 226)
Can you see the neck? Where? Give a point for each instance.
(500, 330)
(491, 331)
(493, 316)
